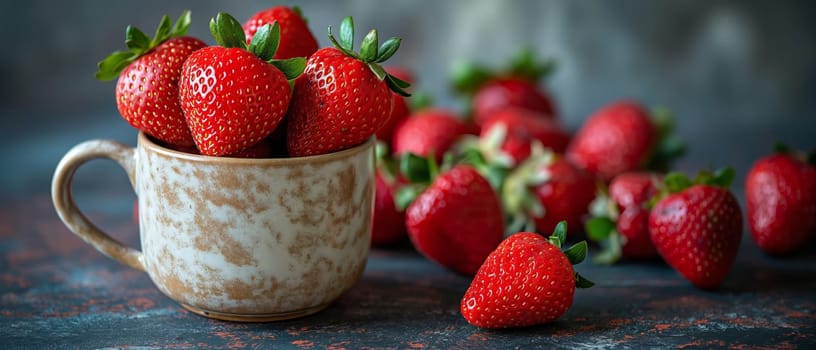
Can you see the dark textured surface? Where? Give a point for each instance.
(56, 291)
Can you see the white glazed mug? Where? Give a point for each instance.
(233, 238)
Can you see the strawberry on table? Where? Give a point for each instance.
(526, 281)
(147, 88)
(234, 95)
(509, 135)
(343, 97)
(697, 226)
(622, 136)
(388, 225)
(546, 189)
(296, 40)
(516, 86)
(620, 219)
(457, 220)
(780, 195)
(431, 131)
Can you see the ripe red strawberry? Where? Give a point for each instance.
(526, 281)
(231, 96)
(429, 131)
(147, 88)
(697, 228)
(389, 222)
(457, 221)
(515, 86)
(296, 40)
(343, 97)
(621, 218)
(511, 92)
(512, 132)
(780, 195)
(546, 189)
(622, 137)
(400, 111)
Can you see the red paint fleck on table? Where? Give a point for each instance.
(416, 345)
(303, 344)
(662, 327)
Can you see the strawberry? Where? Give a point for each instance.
(621, 217)
(697, 227)
(296, 40)
(515, 86)
(388, 225)
(456, 221)
(526, 281)
(431, 131)
(511, 92)
(780, 196)
(546, 189)
(400, 111)
(343, 97)
(622, 137)
(147, 88)
(389, 222)
(510, 133)
(234, 95)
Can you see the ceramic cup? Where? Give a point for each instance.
(237, 239)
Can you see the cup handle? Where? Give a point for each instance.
(70, 214)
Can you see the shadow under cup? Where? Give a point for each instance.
(240, 239)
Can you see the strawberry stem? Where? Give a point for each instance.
(138, 44)
(370, 53)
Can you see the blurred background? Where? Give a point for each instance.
(739, 75)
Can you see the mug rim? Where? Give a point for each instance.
(145, 141)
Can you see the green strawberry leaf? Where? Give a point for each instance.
(467, 77)
(265, 42)
(395, 84)
(582, 282)
(291, 67)
(779, 147)
(576, 253)
(525, 64)
(387, 49)
(420, 100)
(724, 177)
(406, 195)
(368, 47)
(138, 43)
(163, 31)
(599, 228)
(136, 40)
(370, 53)
(811, 157)
(415, 168)
(676, 182)
(110, 67)
(378, 70)
(182, 24)
(663, 119)
(611, 249)
(347, 33)
(227, 31)
(559, 235)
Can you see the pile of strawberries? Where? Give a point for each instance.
(462, 186)
(472, 191)
(265, 89)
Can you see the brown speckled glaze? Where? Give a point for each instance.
(239, 239)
